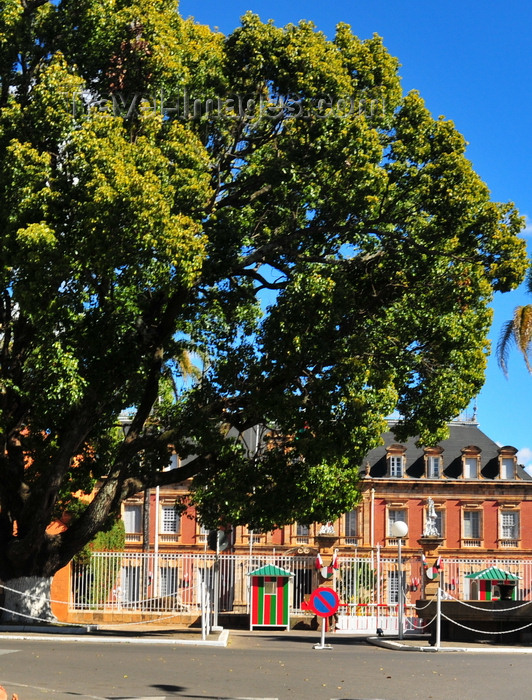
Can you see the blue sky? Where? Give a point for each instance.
(472, 62)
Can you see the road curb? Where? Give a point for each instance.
(398, 646)
(48, 636)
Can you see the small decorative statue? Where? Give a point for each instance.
(326, 529)
(430, 527)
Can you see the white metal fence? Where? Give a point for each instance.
(367, 586)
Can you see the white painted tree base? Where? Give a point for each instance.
(27, 601)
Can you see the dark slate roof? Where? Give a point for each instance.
(461, 435)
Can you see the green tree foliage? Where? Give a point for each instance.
(267, 204)
(517, 331)
(112, 539)
(102, 579)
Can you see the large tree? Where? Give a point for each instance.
(267, 205)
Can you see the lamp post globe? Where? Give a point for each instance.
(399, 529)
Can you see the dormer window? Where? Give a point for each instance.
(470, 468)
(433, 467)
(507, 468)
(395, 455)
(471, 462)
(507, 463)
(395, 463)
(433, 462)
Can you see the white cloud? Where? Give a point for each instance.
(527, 231)
(524, 457)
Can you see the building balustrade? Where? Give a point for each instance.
(168, 537)
(351, 540)
(134, 537)
(253, 539)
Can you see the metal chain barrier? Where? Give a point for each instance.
(64, 602)
(475, 607)
(70, 624)
(472, 629)
(38, 619)
(30, 595)
(422, 626)
(427, 605)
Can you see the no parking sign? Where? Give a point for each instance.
(324, 602)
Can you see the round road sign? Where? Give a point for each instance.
(324, 602)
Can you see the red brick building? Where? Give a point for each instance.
(482, 496)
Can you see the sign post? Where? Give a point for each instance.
(323, 602)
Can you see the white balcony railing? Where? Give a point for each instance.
(134, 537)
(352, 540)
(166, 537)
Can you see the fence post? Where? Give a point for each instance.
(379, 576)
(203, 611)
(438, 619)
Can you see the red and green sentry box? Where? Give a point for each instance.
(488, 584)
(270, 597)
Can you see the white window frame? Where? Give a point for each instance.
(432, 472)
(132, 517)
(474, 527)
(509, 531)
(470, 468)
(393, 587)
(302, 533)
(507, 468)
(203, 533)
(351, 523)
(440, 521)
(170, 520)
(393, 515)
(396, 465)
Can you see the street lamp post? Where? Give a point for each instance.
(399, 529)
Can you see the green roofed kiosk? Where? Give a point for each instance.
(270, 597)
(492, 584)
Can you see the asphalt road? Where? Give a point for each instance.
(255, 665)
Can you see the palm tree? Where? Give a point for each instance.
(518, 331)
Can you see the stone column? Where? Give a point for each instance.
(327, 575)
(429, 545)
(326, 540)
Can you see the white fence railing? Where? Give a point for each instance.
(367, 586)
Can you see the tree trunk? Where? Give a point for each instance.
(27, 600)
